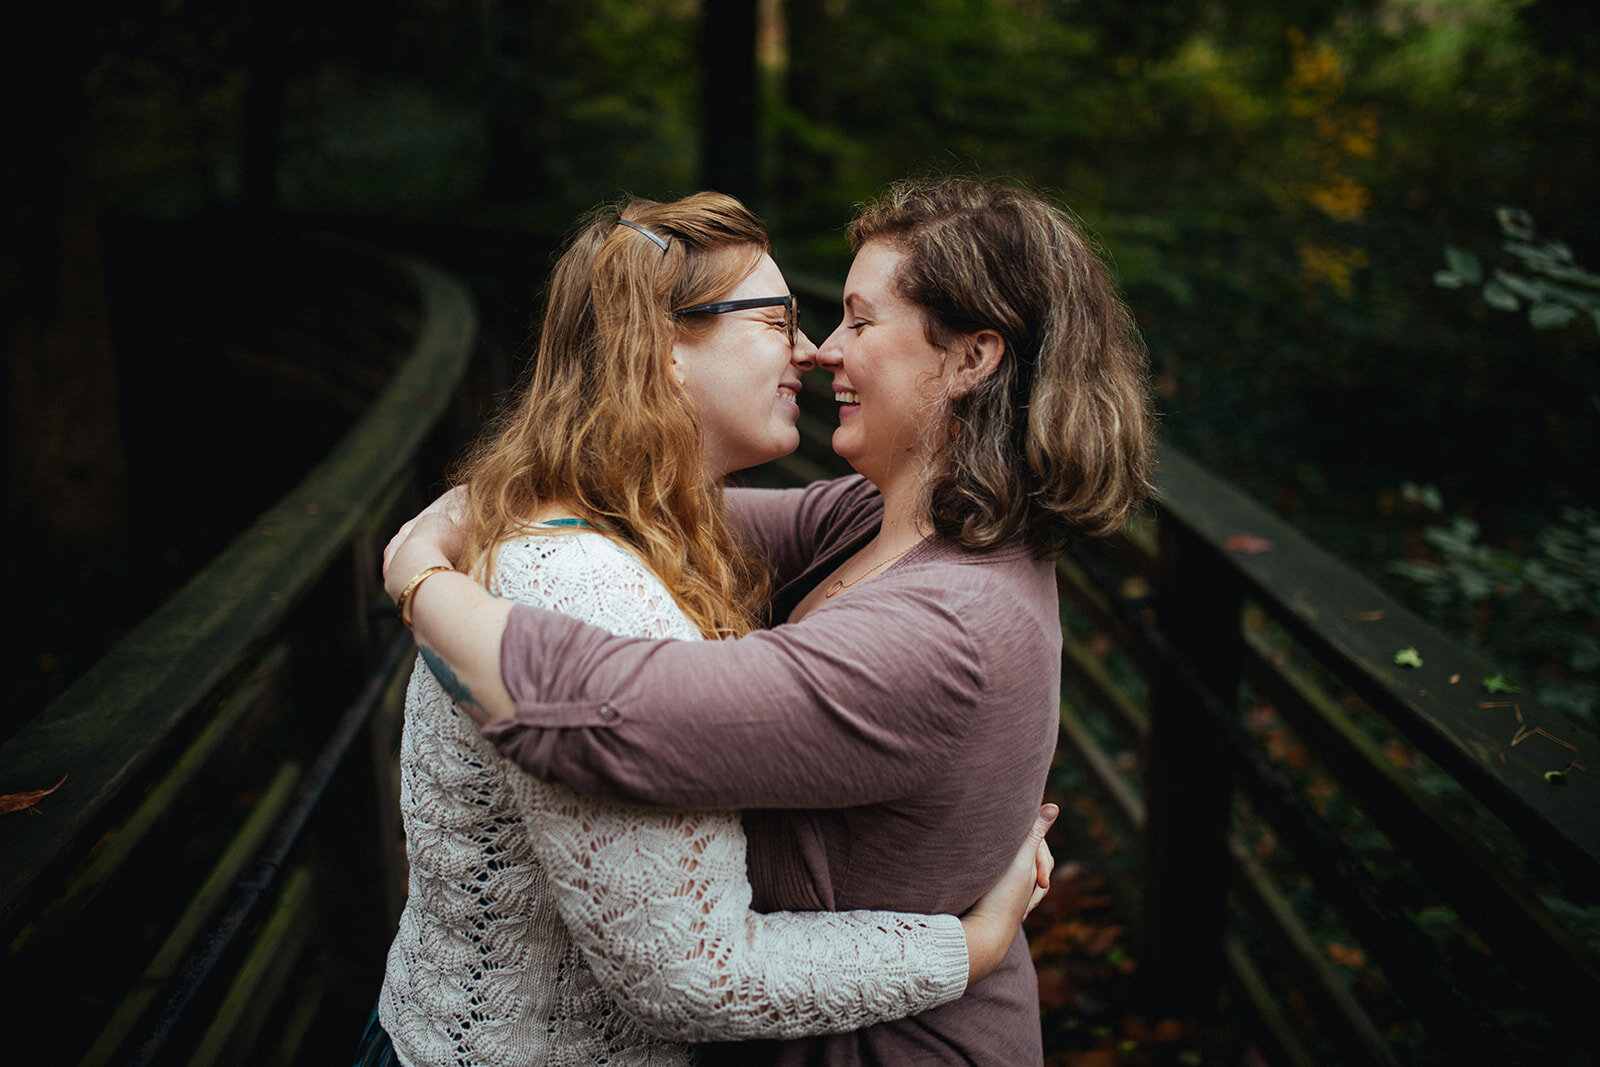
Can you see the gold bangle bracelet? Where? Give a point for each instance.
(410, 590)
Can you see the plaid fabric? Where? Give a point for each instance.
(376, 1050)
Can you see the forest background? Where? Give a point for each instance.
(1355, 234)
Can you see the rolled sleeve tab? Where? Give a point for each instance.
(541, 716)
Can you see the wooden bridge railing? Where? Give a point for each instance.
(1435, 826)
(1232, 696)
(215, 880)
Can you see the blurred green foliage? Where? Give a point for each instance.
(1537, 612)
(1555, 290)
(1272, 181)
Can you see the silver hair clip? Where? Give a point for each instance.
(641, 229)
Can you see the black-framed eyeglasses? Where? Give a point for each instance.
(791, 310)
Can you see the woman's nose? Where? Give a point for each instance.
(829, 355)
(805, 352)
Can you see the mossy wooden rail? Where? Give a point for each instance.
(225, 751)
(1232, 700)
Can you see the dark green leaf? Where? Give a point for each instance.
(1498, 296)
(1519, 286)
(1515, 222)
(1550, 316)
(1499, 683)
(1464, 264)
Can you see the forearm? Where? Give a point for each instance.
(801, 717)
(458, 626)
(659, 904)
(457, 622)
(802, 973)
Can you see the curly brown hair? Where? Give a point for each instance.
(1056, 443)
(598, 422)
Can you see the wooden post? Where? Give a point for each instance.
(1189, 786)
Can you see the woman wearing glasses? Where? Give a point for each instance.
(544, 927)
(896, 730)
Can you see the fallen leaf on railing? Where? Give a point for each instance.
(1249, 544)
(1560, 777)
(1499, 683)
(25, 800)
(1408, 657)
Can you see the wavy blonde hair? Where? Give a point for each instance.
(1057, 442)
(600, 423)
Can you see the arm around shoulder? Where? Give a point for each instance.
(833, 711)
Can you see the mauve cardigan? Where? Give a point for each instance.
(890, 748)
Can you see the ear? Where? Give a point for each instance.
(977, 355)
(677, 362)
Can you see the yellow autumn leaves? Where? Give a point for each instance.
(1335, 133)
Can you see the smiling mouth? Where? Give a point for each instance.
(789, 390)
(846, 396)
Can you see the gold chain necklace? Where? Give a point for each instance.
(840, 586)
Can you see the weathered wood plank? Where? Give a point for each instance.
(1074, 586)
(1355, 629)
(1086, 667)
(288, 1050)
(201, 907)
(109, 854)
(102, 730)
(1347, 1025)
(1101, 769)
(238, 1021)
(1481, 887)
(1263, 1001)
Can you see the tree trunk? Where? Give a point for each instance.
(811, 34)
(65, 469)
(730, 110)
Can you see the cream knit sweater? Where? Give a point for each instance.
(543, 927)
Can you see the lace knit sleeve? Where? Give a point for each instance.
(659, 904)
(658, 901)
